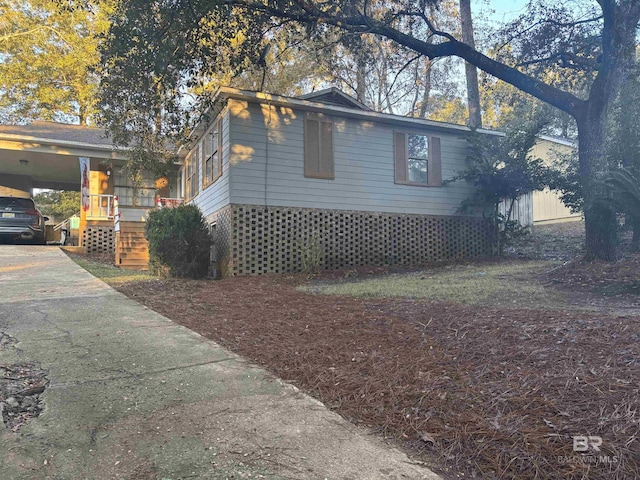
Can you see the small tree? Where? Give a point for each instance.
(58, 204)
(179, 242)
(501, 168)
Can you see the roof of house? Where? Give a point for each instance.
(334, 96)
(59, 133)
(318, 103)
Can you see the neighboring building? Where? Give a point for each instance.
(289, 182)
(547, 206)
(543, 207)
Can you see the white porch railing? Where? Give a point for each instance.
(100, 207)
(62, 225)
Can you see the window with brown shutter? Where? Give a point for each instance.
(318, 148)
(417, 159)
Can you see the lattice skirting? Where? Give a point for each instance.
(99, 239)
(258, 240)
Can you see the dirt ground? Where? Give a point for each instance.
(21, 385)
(476, 391)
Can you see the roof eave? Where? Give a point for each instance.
(10, 137)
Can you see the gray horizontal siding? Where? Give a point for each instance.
(216, 196)
(364, 168)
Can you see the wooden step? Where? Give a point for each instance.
(133, 261)
(141, 268)
(126, 257)
(134, 248)
(132, 235)
(132, 242)
(132, 226)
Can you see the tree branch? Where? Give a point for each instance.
(9, 36)
(310, 14)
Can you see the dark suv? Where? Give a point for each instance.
(21, 220)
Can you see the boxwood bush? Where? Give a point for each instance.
(179, 242)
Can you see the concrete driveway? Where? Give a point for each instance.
(132, 395)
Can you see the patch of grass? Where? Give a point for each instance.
(110, 274)
(509, 284)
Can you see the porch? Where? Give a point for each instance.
(127, 242)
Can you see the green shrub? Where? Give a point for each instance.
(179, 242)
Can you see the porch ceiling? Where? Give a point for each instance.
(48, 152)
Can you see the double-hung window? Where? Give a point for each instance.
(212, 158)
(191, 163)
(417, 159)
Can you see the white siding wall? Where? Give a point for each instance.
(364, 166)
(216, 195)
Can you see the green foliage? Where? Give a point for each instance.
(502, 169)
(565, 177)
(58, 204)
(623, 188)
(622, 152)
(179, 242)
(48, 53)
(311, 254)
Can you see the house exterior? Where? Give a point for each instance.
(290, 183)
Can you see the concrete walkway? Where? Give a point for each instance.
(132, 395)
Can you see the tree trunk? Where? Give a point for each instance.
(601, 226)
(424, 106)
(82, 115)
(635, 240)
(473, 91)
(361, 77)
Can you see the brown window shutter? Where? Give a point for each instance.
(219, 147)
(400, 154)
(326, 150)
(312, 148)
(435, 162)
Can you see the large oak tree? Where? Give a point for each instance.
(155, 48)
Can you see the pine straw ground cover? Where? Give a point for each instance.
(484, 392)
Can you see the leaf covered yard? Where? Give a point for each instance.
(473, 390)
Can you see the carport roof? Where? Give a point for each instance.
(60, 132)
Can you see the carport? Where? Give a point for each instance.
(45, 155)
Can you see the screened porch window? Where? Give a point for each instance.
(135, 194)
